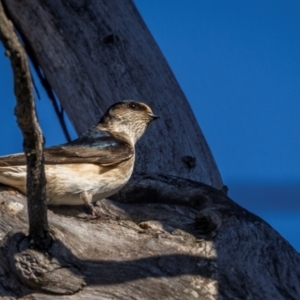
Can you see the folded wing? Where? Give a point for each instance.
(95, 146)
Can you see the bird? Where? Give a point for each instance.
(92, 167)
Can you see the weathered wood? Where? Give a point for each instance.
(98, 52)
(204, 247)
(32, 133)
(163, 237)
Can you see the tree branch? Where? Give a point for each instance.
(32, 134)
(59, 111)
(45, 83)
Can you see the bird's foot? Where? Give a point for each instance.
(96, 214)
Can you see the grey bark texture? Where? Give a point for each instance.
(97, 52)
(162, 238)
(32, 134)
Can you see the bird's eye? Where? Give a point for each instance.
(132, 105)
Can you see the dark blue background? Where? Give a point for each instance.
(238, 63)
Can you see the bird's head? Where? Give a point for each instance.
(129, 117)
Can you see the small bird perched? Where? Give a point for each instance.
(94, 166)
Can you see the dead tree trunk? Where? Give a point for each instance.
(164, 237)
(94, 53)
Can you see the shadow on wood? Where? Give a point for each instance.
(157, 242)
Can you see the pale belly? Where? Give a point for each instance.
(66, 182)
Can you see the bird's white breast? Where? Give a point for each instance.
(65, 182)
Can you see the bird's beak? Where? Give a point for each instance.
(154, 117)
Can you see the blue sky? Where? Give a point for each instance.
(238, 63)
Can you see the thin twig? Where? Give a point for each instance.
(32, 134)
(59, 112)
(35, 87)
(45, 83)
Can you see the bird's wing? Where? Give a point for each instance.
(12, 160)
(104, 149)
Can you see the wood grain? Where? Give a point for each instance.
(204, 246)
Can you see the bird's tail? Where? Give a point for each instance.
(14, 176)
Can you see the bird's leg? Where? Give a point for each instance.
(87, 199)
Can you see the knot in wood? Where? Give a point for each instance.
(40, 271)
(189, 161)
(111, 39)
(207, 221)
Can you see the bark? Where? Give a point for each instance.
(162, 238)
(32, 134)
(94, 53)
